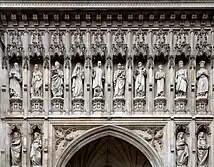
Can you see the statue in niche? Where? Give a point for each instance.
(160, 77)
(16, 149)
(98, 77)
(140, 80)
(15, 81)
(181, 150)
(203, 150)
(57, 80)
(202, 80)
(36, 150)
(77, 81)
(181, 81)
(36, 82)
(119, 81)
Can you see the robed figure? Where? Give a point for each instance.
(57, 80)
(15, 81)
(202, 150)
(119, 81)
(36, 150)
(36, 82)
(97, 82)
(181, 150)
(181, 80)
(140, 80)
(202, 81)
(77, 81)
(160, 78)
(16, 149)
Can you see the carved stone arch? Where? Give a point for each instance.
(109, 130)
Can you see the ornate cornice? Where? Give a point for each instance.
(79, 4)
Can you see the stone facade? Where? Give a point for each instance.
(79, 87)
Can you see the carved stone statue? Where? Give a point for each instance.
(203, 150)
(16, 149)
(140, 80)
(160, 77)
(36, 150)
(36, 82)
(119, 81)
(98, 77)
(181, 81)
(15, 81)
(57, 80)
(181, 150)
(77, 81)
(202, 81)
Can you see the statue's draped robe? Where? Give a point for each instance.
(140, 84)
(202, 84)
(16, 151)
(202, 152)
(181, 81)
(77, 84)
(119, 81)
(36, 152)
(57, 83)
(160, 77)
(182, 152)
(36, 89)
(15, 83)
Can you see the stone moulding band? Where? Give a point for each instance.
(104, 5)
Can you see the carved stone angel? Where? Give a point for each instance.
(36, 150)
(16, 149)
(77, 81)
(202, 150)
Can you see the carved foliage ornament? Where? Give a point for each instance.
(36, 48)
(15, 48)
(78, 48)
(57, 47)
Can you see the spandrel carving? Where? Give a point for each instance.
(119, 81)
(77, 81)
(36, 82)
(15, 81)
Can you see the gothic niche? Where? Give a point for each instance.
(140, 51)
(182, 148)
(16, 146)
(36, 53)
(202, 145)
(119, 53)
(78, 52)
(36, 146)
(57, 53)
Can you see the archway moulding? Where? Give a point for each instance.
(109, 130)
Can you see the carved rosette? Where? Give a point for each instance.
(139, 104)
(160, 104)
(201, 105)
(119, 104)
(98, 104)
(180, 104)
(78, 104)
(16, 104)
(57, 104)
(63, 137)
(37, 104)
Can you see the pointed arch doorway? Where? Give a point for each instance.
(109, 146)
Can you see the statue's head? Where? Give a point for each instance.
(119, 66)
(36, 66)
(57, 64)
(201, 135)
(180, 135)
(160, 67)
(16, 66)
(180, 63)
(140, 64)
(202, 64)
(99, 63)
(16, 135)
(37, 135)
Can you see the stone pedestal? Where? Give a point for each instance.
(139, 105)
(160, 104)
(37, 104)
(119, 103)
(57, 105)
(78, 105)
(201, 105)
(180, 105)
(98, 104)
(16, 104)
